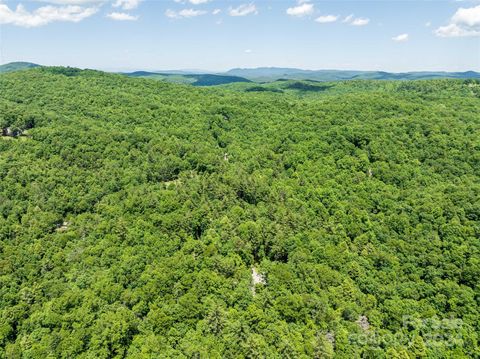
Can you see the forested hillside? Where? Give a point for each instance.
(144, 219)
(17, 66)
(268, 74)
(192, 79)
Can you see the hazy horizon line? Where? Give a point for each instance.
(218, 71)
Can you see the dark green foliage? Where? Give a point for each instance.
(193, 79)
(213, 80)
(305, 86)
(66, 71)
(132, 214)
(262, 89)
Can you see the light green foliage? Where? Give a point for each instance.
(132, 212)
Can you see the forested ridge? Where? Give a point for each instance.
(134, 212)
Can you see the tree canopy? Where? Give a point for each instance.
(133, 213)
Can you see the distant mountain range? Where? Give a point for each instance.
(266, 74)
(16, 66)
(270, 74)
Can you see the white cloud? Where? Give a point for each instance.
(467, 16)
(465, 22)
(303, 9)
(71, 2)
(243, 10)
(122, 16)
(326, 19)
(127, 4)
(400, 38)
(171, 14)
(43, 15)
(361, 21)
(193, 2)
(453, 30)
(348, 18)
(216, 11)
(248, 51)
(185, 13)
(191, 13)
(428, 24)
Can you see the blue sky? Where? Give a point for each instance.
(217, 35)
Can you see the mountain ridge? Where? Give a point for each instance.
(271, 74)
(276, 73)
(17, 66)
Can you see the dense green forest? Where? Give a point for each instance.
(144, 219)
(192, 79)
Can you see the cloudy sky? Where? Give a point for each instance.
(217, 35)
